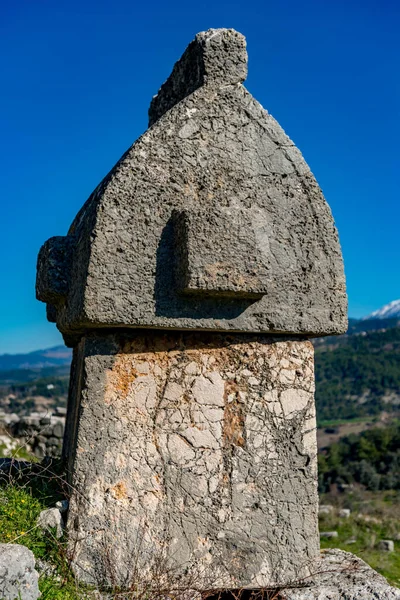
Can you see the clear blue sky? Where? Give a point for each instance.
(77, 78)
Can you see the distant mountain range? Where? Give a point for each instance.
(389, 311)
(39, 359)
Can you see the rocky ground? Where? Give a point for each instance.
(37, 434)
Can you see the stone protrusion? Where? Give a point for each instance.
(53, 270)
(215, 57)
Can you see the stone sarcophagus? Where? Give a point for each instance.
(189, 285)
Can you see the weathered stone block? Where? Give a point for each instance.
(328, 534)
(211, 149)
(325, 509)
(197, 447)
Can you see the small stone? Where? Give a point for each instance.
(209, 389)
(58, 430)
(344, 513)
(328, 534)
(343, 487)
(246, 373)
(53, 441)
(40, 450)
(49, 518)
(369, 519)
(18, 578)
(192, 368)
(386, 545)
(62, 505)
(325, 509)
(351, 541)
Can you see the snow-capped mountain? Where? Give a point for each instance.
(389, 311)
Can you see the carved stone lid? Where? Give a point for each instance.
(211, 220)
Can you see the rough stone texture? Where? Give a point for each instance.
(197, 447)
(340, 575)
(18, 578)
(211, 148)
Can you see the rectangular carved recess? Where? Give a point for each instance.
(217, 254)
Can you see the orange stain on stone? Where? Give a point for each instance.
(120, 378)
(119, 490)
(233, 429)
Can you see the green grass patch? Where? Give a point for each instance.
(374, 517)
(20, 506)
(18, 515)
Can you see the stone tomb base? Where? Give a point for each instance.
(193, 459)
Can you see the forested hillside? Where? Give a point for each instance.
(358, 375)
(371, 459)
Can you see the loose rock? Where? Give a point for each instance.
(49, 518)
(328, 534)
(325, 509)
(18, 578)
(386, 545)
(340, 575)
